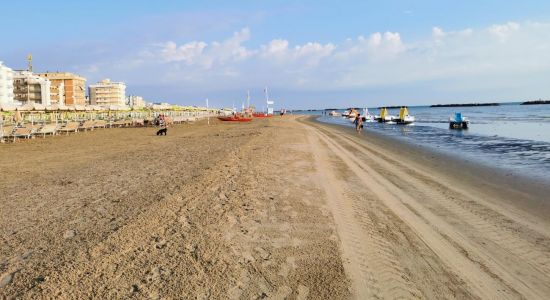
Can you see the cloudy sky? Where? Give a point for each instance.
(311, 54)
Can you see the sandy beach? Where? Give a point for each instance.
(277, 208)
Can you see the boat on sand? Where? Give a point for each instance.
(261, 115)
(234, 119)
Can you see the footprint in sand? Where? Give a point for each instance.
(69, 234)
(262, 253)
(5, 279)
(289, 265)
(303, 292)
(282, 293)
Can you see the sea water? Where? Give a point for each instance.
(509, 136)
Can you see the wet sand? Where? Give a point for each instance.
(278, 208)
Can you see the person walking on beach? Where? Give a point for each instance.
(358, 123)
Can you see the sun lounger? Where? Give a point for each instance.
(22, 132)
(87, 125)
(179, 119)
(70, 127)
(100, 124)
(47, 129)
(6, 132)
(138, 122)
(119, 123)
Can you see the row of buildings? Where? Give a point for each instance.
(18, 87)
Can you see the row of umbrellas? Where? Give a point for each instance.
(60, 107)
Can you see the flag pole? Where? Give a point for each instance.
(207, 111)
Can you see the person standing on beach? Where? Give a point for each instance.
(358, 123)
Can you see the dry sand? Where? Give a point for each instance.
(278, 208)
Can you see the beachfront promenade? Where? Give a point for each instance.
(282, 207)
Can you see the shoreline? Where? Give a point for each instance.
(478, 224)
(462, 168)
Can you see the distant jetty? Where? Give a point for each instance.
(465, 104)
(536, 102)
(391, 107)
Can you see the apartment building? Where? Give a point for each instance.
(66, 88)
(107, 92)
(6, 85)
(30, 88)
(135, 101)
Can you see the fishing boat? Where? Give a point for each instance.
(384, 117)
(404, 117)
(458, 121)
(234, 119)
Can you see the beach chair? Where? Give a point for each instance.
(119, 123)
(22, 132)
(6, 133)
(87, 125)
(100, 124)
(47, 129)
(70, 127)
(138, 122)
(168, 121)
(149, 121)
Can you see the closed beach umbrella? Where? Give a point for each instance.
(17, 117)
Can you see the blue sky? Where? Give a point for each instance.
(311, 54)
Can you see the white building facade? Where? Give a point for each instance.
(135, 101)
(30, 88)
(107, 92)
(6, 85)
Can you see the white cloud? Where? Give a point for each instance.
(503, 31)
(205, 55)
(187, 52)
(438, 32)
(472, 56)
(277, 47)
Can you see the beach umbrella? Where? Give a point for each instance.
(38, 107)
(18, 117)
(7, 107)
(25, 107)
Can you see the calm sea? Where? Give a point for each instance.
(510, 136)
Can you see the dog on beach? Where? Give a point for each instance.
(162, 131)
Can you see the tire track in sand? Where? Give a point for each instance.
(485, 277)
(489, 226)
(522, 252)
(374, 270)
